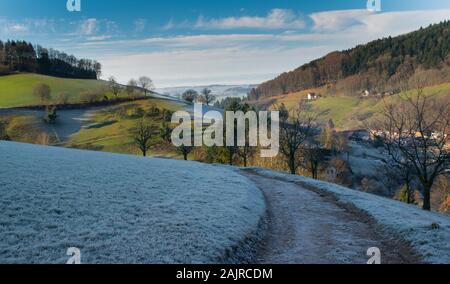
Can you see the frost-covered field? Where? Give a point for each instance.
(118, 208)
(409, 222)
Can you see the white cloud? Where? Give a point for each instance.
(229, 65)
(275, 19)
(372, 23)
(18, 28)
(27, 26)
(228, 56)
(98, 38)
(337, 20)
(88, 27)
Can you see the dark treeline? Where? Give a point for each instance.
(21, 56)
(383, 63)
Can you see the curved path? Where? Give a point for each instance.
(305, 227)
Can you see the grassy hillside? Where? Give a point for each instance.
(116, 136)
(17, 90)
(347, 112)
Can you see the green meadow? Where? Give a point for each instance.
(17, 90)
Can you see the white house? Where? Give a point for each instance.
(365, 93)
(312, 96)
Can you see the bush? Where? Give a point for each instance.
(167, 115)
(91, 97)
(3, 135)
(138, 112)
(63, 98)
(154, 111)
(50, 114)
(42, 92)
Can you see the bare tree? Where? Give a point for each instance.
(114, 86)
(43, 92)
(206, 96)
(185, 151)
(146, 83)
(415, 136)
(131, 87)
(190, 96)
(403, 173)
(312, 156)
(143, 135)
(63, 98)
(295, 128)
(246, 152)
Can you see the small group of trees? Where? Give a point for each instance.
(143, 84)
(415, 136)
(206, 97)
(147, 132)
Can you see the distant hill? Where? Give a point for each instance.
(381, 65)
(220, 91)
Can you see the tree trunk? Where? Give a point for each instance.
(245, 161)
(408, 193)
(292, 165)
(230, 158)
(427, 198)
(144, 153)
(185, 156)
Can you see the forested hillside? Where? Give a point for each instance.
(21, 56)
(382, 65)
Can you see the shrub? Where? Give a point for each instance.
(63, 98)
(3, 134)
(42, 92)
(167, 115)
(154, 111)
(91, 97)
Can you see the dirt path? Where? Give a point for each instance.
(308, 228)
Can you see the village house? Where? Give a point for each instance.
(313, 96)
(365, 94)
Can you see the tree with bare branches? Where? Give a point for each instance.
(131, 87)
(415, 134)
(146, 84)
(43, 92)
(114, 86)
(207, 97)
(143, 135)
(295, 128)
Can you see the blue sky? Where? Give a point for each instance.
(180, 42)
